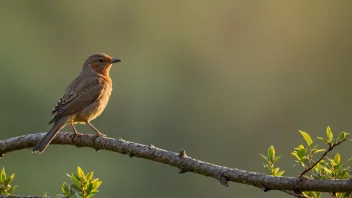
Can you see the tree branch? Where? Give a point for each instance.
(183, 162)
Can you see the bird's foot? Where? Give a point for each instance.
(78, 134)
(101, 135)
(75, 135)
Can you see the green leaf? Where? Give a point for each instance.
(296, 155)
(75, 179)
(97, 179)
(340, 174)
(308, 193)
(324, 140)
(9, 179)
(83, 179)
(346, 176)
(74, 186)
(80, 172)
(323, 162)
(11, 189)
(91, 194)
(275, 170)
(306, 137)
(339, 195)
(317, 194)
(337, 158)
(263, 156)
(332, 162)
(329, 134)
(317, 151)
(280, 173)
(301, 151)
(45, 194)
(343, 135)
(90, 188)
(65, 188)
(90, 175)
(271, 152)
(300, 147)
(97, 184)
(276, 158)
(2, 175)
(86, 184)
(317, 167)
(327, 171)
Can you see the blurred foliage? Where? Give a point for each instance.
(6, 188)
(225, 74)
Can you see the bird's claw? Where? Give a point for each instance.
(75, 135)
(101, 135)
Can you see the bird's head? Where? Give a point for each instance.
(99, 63)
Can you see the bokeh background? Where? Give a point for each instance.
(223, 80)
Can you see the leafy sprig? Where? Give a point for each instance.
(84, 185)
(271, 159)
(6, 188)
(322, 168)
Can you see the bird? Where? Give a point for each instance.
(85, 98)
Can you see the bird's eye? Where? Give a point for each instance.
(101, 60)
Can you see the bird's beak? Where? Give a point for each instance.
(115, 60)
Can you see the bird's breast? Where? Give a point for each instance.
(95, 108)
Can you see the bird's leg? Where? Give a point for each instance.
(96, 130)
(75, 131)
(76, 134)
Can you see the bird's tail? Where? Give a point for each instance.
(49, 136)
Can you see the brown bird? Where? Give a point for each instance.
(84, 100)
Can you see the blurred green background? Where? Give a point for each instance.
(223, 80)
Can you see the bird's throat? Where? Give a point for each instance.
(102, 70)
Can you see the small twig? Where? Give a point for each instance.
(182, 153)
(331, 146)
(223, 181)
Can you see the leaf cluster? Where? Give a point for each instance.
(325, 167)
(84, 185)
(6, 188)
(270, 161)
(316, 167)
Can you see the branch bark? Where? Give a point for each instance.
(184, 163)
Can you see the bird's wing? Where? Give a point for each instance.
(78, 95)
